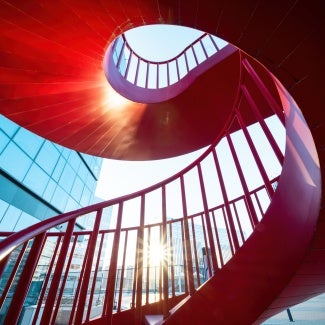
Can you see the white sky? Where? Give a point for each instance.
(160, 42)
(118, 178)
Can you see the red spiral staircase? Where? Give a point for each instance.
(52, 82)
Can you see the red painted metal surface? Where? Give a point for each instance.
(240, 244)
(276, 246)
(289, 41)
(21, 289)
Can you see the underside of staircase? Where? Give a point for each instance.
(58, 79)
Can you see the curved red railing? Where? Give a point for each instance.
(163, 242)
(151, 74)
(146, 81)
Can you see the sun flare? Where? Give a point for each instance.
(157, 254)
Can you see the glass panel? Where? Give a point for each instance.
(25, 221)
(47, 157)
(67, 178)
(86, 197)
(36, 179)
(71, 205)
(7, 126)
(82, 172)
(59, 199)
(59, 168)
(28, 142)
(77, 188)
(10, 219)
(74, 160)
(11, 154)
(65, 153)
(3, 208)
(4, 140)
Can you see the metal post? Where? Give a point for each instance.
(87, 268)
(139, 264)
(189, 261)
(25, 280)
(226, 202)
(164, 258)
(248, 198)
(208, 221)
(108, 302)
(51, 297)
(290, 315)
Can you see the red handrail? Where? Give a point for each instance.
(217, 230)
(132, 54)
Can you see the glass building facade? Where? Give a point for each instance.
(40, 179)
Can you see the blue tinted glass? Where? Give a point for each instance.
(58, 169)
(24, 221)
(74, 160)
(67, 178)
(50, 188)
(91, 186)
(36, 179)
(66, 153)
(71, 205)
(77, 188)
(48, 157)
(60, 198)
(93, 163)
(86, 197)
(83, 172)
(10, 219)
(28, 141)
(8, 126)
(58, 147)
(3, 141)
(14, 161)
(3, 208)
